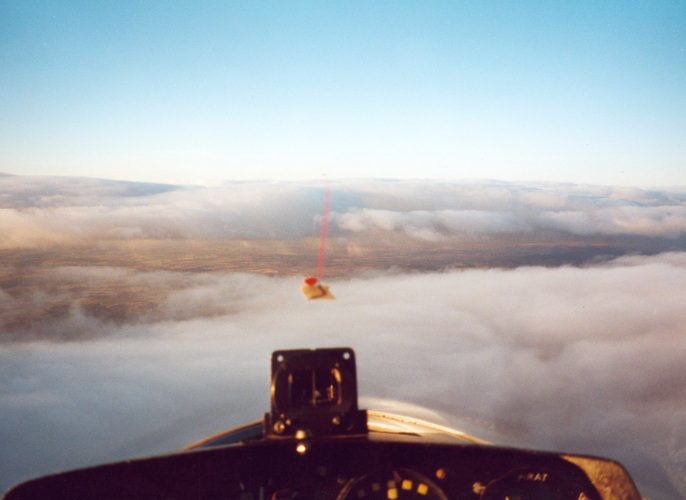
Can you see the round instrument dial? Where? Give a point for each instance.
(390, 485)
(535, 484)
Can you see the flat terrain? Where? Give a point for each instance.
(116, 282)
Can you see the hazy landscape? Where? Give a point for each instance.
(100, 246)
(136, 318)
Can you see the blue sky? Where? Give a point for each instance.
(586, 92)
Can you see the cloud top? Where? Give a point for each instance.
(47, 210)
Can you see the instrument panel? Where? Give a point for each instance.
(375, 470)
(340, 468)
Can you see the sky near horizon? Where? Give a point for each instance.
(192, 92)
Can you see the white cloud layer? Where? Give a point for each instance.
(46, 210)
(578, 359)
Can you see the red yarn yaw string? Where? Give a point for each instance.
(325, 224)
